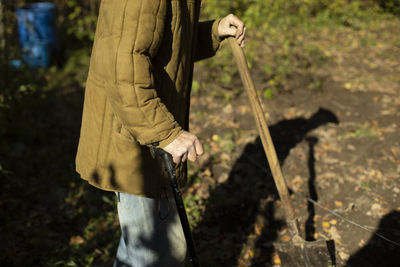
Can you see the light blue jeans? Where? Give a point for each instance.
(148, 238)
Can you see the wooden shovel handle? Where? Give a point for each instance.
(262, 128)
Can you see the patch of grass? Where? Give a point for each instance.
(193, 204)
(268, 93)
(363, 131)
(365, 185)
(368, 41)
(195, 87)
(226, 142)
(280, 33)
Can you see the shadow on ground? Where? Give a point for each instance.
(239, 215)
(378, 251)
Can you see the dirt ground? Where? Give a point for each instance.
(338, 145)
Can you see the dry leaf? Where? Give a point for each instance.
(276, 259)
(325, 225)
(223, 178)
(76, 240)
(207, 172)
(338, 203)
(258, 229)
(285, 238)
(215, 138)
(333, 232)
(344, 256)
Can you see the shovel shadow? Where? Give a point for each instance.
(239, 223)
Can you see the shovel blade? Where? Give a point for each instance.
(303, 253)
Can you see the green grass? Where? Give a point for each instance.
(193, 204)
(282, 36)
(363, 131)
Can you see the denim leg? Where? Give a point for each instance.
(147, 240)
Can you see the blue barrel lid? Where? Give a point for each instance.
(41, 5)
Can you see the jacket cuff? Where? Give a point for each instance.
(216, 40)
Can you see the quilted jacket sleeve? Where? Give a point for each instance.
(208, 40)
(130, 35)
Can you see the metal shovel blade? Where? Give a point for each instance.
(301, 253)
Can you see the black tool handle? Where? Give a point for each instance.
(170, 168)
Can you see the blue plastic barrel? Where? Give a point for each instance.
(37, 33)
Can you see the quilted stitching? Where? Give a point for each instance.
(141, 68)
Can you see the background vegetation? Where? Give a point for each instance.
(49, 217)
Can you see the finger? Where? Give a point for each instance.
(184, 157)
(241, 37)
(176, 159)
(235, 21)
(192, 156)
(199, 147)
(240, 29)
(243, 44)
(241, 40)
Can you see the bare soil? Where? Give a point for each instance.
(338, 145)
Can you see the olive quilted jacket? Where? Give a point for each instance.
(138, 90)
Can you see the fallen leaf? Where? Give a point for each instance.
(296, 183)
(215, 138)
(376, 209)
(344, 256)
(244, 109)
(251, 253)
(258, 229)
(223, 178)
(207, 172)
(351, 147)
(325, 225)
(276, 259)
(228, 109)
(225, 157)
(338, 203)
(333, 232)
(76, 240)
(316, 218)
(285, 238)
